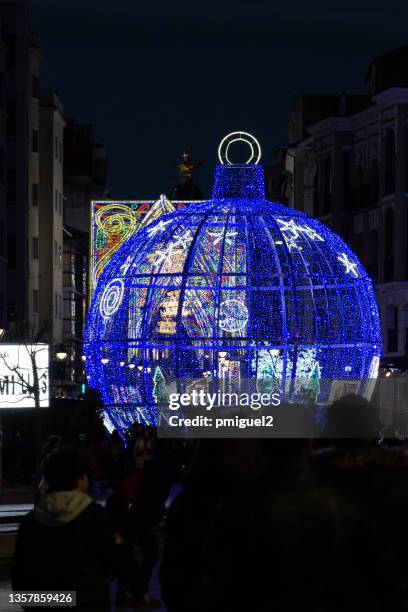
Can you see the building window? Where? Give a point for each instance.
(389, 165)
(35, 86)
(11, 119)
(347, 189)
(374, 182)
(373, 219)
(316, 193)
(358, 184)
(373, 268)
(11, 252)
(35, 247)
(11, 186)
(406, 160)
(1, 238)
(35, 141)
(57, 306)
(55, 254)
(2, 165)
(405, 323)
(34, 194)
(406, 254)
(345, 233)
(389, 245)
(328, 186)
(392, 328)
(11, 311)
(35, 301)
(11, 39)
(359, 224)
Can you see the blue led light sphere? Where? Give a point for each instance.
(236, 287)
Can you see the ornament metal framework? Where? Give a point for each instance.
(236, 287)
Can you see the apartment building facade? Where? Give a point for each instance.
(349, 168)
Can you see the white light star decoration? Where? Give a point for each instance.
(292, 245)
(165, 256)
(219, 235)
(350, 267)
(184, 240)
(289, 226)
(177, 247)
(292, 231)
(311, 233)
(125, 267)
(159, 227)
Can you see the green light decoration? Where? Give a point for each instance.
(159, 388)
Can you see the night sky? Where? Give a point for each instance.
(154, 77)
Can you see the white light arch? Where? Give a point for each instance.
(251, 141)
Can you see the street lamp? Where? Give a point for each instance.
(61, 353)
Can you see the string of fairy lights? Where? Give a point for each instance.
(234, 288)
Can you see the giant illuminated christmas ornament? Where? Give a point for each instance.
(236, 287)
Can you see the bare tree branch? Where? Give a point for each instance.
(33, 339)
